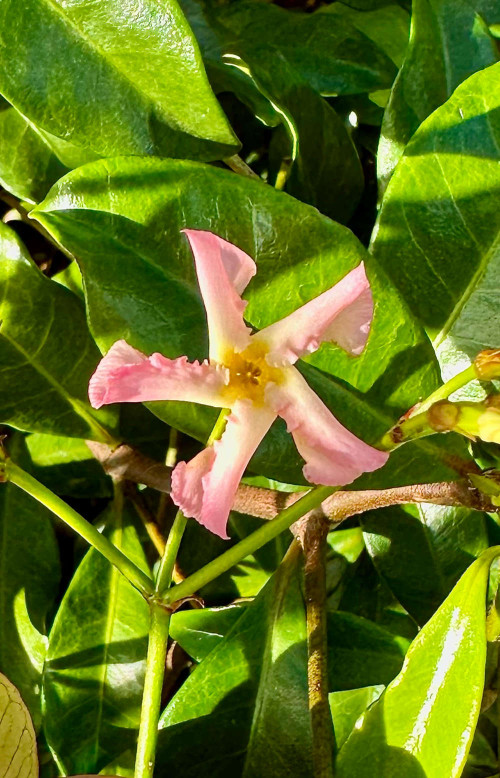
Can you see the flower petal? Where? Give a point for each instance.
(333, 455)
(223, 272)
(204, 488)
(127, 375)
(342, 314)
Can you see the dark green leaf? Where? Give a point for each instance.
(243, 711)
(449, 41)
(439, 227)
(441, 681)
(47, 355)
(360, 653)
(28, 167)
(326, 171)
(66, 466)
(422, 551)
(332, 57)
(214, 40)
(388, 27)
(96, 656)
(29, 576)
(112, 77)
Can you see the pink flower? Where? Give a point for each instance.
(253, 376)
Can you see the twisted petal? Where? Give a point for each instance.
(223, 272)
(205, 487)
(342, 314)
(333, 455)
(127, 375)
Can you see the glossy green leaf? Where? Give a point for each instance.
(332, 57)
(325, 167)
(388, 27)
(96, 657)
(243, 711)
(367, 595)
(214, 41)
(28, 167)
(449, 41)
(438, 230)
(46, 353)
(18, 755)
(29, 569)
(140, 282)
(423, 724)
(66, 466)
(112, 77)
(348, 706)
(421, 551)
(201, 630)
(360, 653)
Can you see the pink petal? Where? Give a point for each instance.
(205, 487)
(333, 455)
(223, 272)
(127, 375)
(342, 314)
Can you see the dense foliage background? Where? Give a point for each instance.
(312, 135)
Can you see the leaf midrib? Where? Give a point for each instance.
(468, 292)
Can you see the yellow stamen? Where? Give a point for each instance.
(249, 373)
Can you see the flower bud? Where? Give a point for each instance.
(487, 364)
(489, 425)
(443, 416)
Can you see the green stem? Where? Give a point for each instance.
(164, 577)
(451, 386)
(87, 531)
(248, 545)
(153, 684)
(219, 427)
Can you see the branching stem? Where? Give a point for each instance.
(87, 531)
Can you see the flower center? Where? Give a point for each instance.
(249, 373)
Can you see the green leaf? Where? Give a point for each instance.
(252, 716)
(112, 77)
(332, 57)
(66, 466)
(348, 706)
(214, 40)
(438, 230)
(18, 755)
(29, 569)
(360, 653)
(441, 681)
(421, 551)
(47, 355)
(388, 27)
(200, 631)
(96, 658)
(28, 167)
(449, 41)
(326, 171)
(141, 286)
